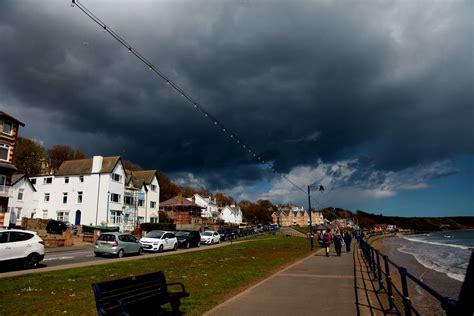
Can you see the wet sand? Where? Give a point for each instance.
(440, 282)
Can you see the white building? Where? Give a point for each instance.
(21, 199)
(231, 214)
(96, 191)
(208, 204)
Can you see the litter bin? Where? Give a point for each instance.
(273, 233)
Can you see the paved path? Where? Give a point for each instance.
(316, 285)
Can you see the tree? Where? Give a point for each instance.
(257, 213)
(60, 153)
(223, 200)
(29, 156)
(168, 188)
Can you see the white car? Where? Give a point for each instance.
(17, 245)
(158, 240)
(210, 237)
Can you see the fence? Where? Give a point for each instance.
(381, 267)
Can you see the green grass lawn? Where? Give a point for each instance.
(211, 276)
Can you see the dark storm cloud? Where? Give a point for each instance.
(297, 81)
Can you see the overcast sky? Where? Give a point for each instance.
(372, 99)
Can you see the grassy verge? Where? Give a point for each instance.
(211, 276)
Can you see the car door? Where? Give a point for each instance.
(5, 248)
(166, 241)
(19, 244)
(134, 245)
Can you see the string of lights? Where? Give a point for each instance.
(196, 105)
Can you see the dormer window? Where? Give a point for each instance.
(4, 152)
(116, 177)
(7, 127)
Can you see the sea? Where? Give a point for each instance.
(447, 252)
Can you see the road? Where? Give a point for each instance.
(80, 256)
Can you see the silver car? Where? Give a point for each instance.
(118, 244)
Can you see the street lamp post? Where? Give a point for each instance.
(310, 220)
(107, 218)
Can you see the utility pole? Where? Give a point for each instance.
(310, 220)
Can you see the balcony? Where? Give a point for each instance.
(4, 190)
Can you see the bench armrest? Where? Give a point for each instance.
(183, 289)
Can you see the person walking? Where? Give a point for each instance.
(326, 240)
(347, 239)
(338, 243)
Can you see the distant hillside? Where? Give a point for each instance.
(367, 220)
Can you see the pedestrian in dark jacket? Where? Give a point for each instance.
(338, 243)
(348, 240)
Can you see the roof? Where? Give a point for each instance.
(178, 201)
(18, 176)
(11, 118)
(141, 177)
(84, 166)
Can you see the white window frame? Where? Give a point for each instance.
(20, 194)
(66, 179)
(152, 204)
(153, 187)
(18, 213)
(81, 179)
(47, 197)
(45, 214)
(62, 216)
(7, 148)
(64, 197)
(10, 132)
(154, 219)
(141, 203)
(118, 196)
(116, 217)
(79, 197)
(116, 177)
(48, 180)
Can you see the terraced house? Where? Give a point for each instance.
(289, 216)
(97, 191)
(9, 127)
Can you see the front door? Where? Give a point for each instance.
(78, 218)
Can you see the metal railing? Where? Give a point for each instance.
(380, 266)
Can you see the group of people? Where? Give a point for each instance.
(326, 238)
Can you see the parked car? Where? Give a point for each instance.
(188, 238)
(158, 240)
(210, 237)
(118, 244)
(22, 246)
(227, 233)
(56, 227)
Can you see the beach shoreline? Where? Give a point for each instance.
(440, 282)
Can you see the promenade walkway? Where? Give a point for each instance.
(316, 285)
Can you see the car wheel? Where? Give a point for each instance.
(212, 242)
(219, 241)
(199, 244)
(120, 253)
(140, 251)
(97, 254)
(32, 261)
(160, 249)
(187, 245)
(175, 247)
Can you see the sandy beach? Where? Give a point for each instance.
(437, 281)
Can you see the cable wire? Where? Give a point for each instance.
(248, 150)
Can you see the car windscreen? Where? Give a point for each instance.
(106, 237)
(207, 234)
(181, 234)
(155, 234)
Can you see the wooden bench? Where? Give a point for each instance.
(138, 295)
